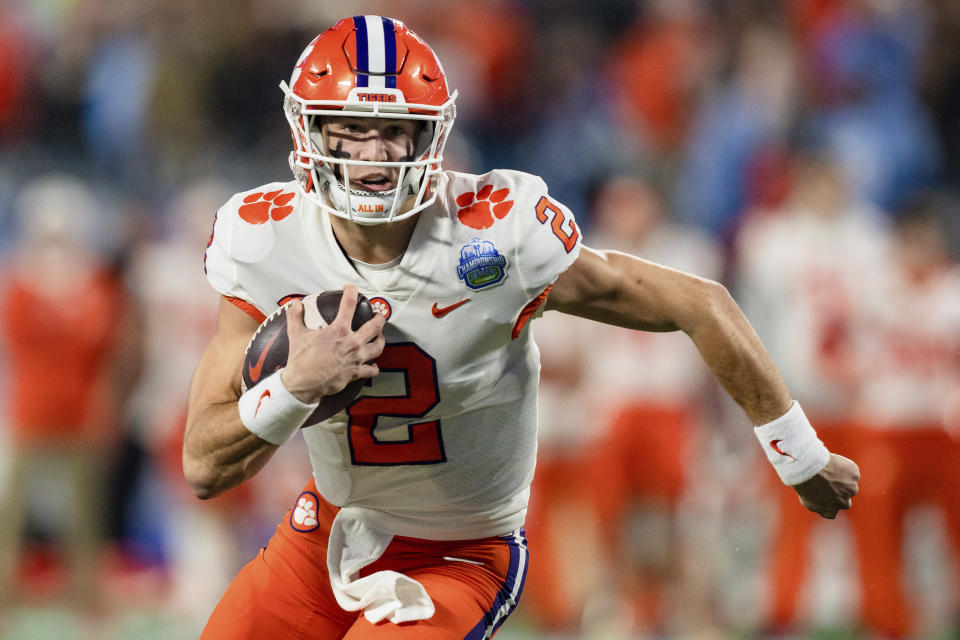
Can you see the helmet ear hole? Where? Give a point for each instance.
(424, 139)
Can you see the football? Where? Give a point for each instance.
(269, 346)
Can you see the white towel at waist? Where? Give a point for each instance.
(353, 545)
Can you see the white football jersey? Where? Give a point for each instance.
(909, 340)
(801, 279)
(180, 318)
(653, 367)
(442, 443)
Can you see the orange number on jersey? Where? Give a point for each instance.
(424, 444)
(569, 240)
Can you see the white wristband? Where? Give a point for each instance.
(271, 412)
(792, 446)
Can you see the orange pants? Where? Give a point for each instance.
(790, 553)
(641, 464)
(285, 591)
(558, 484)
(640, 459)
(900, 469)
(643, 457)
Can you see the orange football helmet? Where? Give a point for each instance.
(372, 67)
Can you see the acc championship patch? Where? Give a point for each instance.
(481, 265)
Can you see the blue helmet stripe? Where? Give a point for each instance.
(363, 61)
(390, 53)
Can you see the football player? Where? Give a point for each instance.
(412, 525)
(805, 271)
(907, 410)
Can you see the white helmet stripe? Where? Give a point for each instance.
(376, 52)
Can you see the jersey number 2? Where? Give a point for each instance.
(424, 442)
(557, 219)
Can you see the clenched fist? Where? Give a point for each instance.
(832, 489)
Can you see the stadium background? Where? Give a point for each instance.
(674, 128)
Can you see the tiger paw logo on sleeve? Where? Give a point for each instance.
(481, 209)
(259, 207)
(254, 236)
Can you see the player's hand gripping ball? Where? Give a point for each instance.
(269, 347)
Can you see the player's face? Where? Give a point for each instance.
(371, 140)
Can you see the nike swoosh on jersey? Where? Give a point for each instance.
(468, 561)
(265, 394)
(439, 312)
(254, 369)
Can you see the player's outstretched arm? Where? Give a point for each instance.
(620, 289)
(219, 452)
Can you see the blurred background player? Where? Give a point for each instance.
(908, 336)
(70, 337)
(646, 393)
(559, 518)
(196, 544)
(196, 548)
(622, 558)
(802, 273)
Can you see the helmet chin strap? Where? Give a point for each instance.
(354, 204)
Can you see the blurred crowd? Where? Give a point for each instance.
(806, 153)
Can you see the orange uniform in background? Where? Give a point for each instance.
(558, 519)
(661, 436)
(790, 555)
(638, 470)
(65, 398)
(57, 348)
(70, 337)
(903, 467)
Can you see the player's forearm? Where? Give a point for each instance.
(733, 351)
(665, 299)
(219, 452)
(623, 290)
